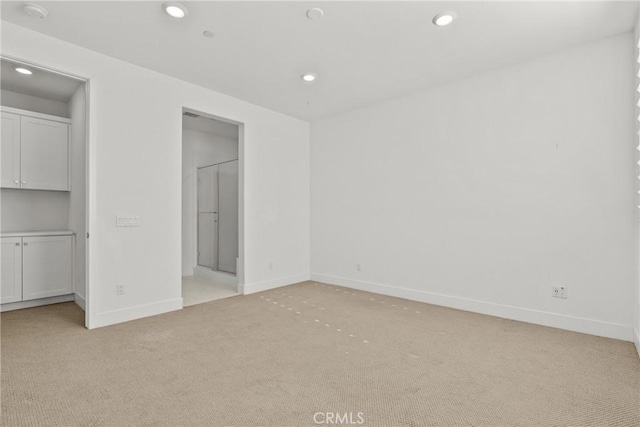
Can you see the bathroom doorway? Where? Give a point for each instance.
(211, 208)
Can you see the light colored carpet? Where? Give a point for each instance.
(196, 290)
(278, 357)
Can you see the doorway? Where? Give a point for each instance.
(210, 208)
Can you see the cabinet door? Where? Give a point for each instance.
(44, 154)
(10, 152)
(11, 277)
(46, 266)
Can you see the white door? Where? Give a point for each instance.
(44, 154)
(228, 216)
(11, 277)
(208, 217)
(47, 266)
(10, 152)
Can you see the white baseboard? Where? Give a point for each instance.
(80, 301)
(133, 313)
(554, 320)
(35, 302)
(215, 276)
(636, 340)
(251, 288)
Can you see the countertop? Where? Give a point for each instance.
(36, 233)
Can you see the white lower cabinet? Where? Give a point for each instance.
(11, 285)
(35, 267)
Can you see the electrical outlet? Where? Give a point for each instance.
(358, 266)
(559, 292)
(119, 289)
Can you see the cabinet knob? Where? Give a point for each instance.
(24, 182)
(26, 243)
(16, 181)
(17, 243)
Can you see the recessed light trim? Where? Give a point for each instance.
(443, 19)
(24, 71)
(309, 77)
(175, 9)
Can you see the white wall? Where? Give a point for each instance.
(198, 149)
(135, 128)
(33, 210)
(481, 194)
(34, 103)
(77, 197)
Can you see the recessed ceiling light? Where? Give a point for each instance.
(35, 10)
(24, 71)
(308, 77)
(315, 13)
(443, 19)
(175, 9)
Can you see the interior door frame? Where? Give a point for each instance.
(240, 267)
(90, 201)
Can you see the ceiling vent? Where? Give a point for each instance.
(188, 114)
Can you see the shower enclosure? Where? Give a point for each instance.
(218, 216)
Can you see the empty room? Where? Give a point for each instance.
(320, 213)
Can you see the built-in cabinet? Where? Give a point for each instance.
(36, 266)
(34, 151)
(43, 146)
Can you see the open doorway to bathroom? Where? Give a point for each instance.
(210, 208)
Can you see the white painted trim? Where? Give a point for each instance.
(35, 302)
(35, 115)
(218, 277)
(554, 320)
(251, 288)
(80, 301)
(137, 312)
(636, 340)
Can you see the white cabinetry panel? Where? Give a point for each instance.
(10, 152)
(44, 151)
(47, 266)
(11, 277)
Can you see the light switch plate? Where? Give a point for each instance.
(127, 221)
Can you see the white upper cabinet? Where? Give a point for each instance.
(44, 153)
(10, 150)
(35, 151)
